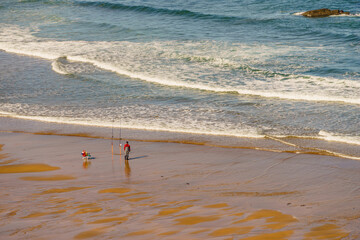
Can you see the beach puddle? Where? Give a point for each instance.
(27, 168)
(58, 200)
(88, 210)
(48, 178)
(219, 205)
(284, 235)
(196, 220)
(7, 161)
(276, 219)
(168, 211)
(11, 214)
(137, 199)
(326, 231)
(87, 205)
(168, 233)
(237, 214)
(257, 194)
(139, 233)
(201, 231)
(133, 194)
(117, 220)
(4, 155)
(40, 214)
(90, 233)
(115, 190)
(230, 231)
(62, 190)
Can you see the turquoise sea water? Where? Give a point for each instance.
(242, 68)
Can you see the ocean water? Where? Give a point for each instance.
(244, 69)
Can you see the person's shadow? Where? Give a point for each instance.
(138, 157)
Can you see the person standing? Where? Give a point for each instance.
(127, 150)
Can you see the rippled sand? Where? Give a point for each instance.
(171, 191)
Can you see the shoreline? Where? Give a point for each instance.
(171, 190)
(290, 144)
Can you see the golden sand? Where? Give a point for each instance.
(88, 210)
(230, 231)
(62, 190)
(90, 233)
(139, 233)
(257, 194)
(196, 219)
(201, 231)
(39, 214)
(284, 235)
(133, 194)
(48, 178)
(87, 205)
(115, 190)
(277, 219)
(26, 168)
(168, 211)
(326, 231)
(118, 220)
(218, 205)
(7, 161)
(59, 200)
(137, 199)
(237, 214)
(168, 233)
(12, 213)
(123, 201)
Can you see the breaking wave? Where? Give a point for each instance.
(178, 64)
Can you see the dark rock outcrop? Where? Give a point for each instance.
(324, 12)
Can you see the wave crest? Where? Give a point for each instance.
(153, 10)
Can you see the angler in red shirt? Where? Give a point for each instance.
(127, 150)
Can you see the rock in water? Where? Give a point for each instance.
(324, 12)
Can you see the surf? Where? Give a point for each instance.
(189, 69)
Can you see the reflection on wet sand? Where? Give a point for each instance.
(231, 231)
(168, 211)
(276, 219)
(283, 235)
(117, 220)
(326, 231)
(196, 219)
(48, 178)
(111, 207)
(127, 169)
(115, 190)
(90, 233)
(25, 168)
(62, 190)
(86, 164)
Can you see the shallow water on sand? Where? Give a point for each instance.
(154, 197)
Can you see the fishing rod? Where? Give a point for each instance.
(120, 137)
(112, 138)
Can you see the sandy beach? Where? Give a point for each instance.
(171, 191)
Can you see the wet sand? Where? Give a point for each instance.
(171, 191)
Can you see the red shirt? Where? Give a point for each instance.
(127, 145)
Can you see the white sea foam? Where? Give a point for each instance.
(339, 138)
(163, 63)
(341, 15)
(298, 13)
(133, 125)
(57, 68)
(346, 15)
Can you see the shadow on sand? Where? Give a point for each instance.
(133, 158)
